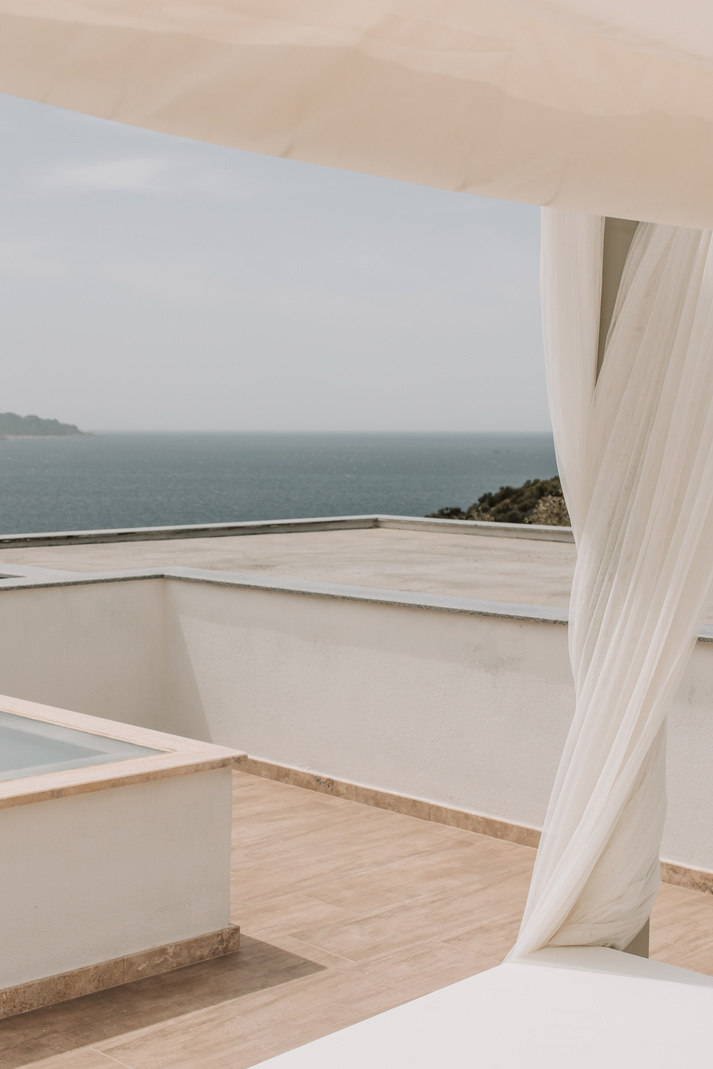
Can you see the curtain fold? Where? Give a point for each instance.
(635, 449)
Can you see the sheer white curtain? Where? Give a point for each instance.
(635, 451)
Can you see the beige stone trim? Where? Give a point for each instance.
(684, 876)
(681, 875)
(68, 985)
(397, 803)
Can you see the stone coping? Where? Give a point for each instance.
(507, 610)
(180, 757)
(294, 526)
(29, 578)
(536, 532)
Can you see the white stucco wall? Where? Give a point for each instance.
(467, 711)
(464, 710)
(90, 877)
(96, 648)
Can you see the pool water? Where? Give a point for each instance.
(31, 747)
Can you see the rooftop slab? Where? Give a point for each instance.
(436, 558)
(346, 911)
(422, 561)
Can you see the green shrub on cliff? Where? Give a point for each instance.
(537, 501)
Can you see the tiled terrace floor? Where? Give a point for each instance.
(346, 910)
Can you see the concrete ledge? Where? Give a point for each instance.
(505, 610)
(495, 827)
(295, 526)
(197, 530)
(113, 973)
(41, 578)
(538, 532)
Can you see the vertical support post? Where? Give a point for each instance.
(639, 945)
(618, 236)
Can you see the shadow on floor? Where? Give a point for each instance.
(93, 1018)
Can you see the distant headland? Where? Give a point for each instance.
(538, 501)
(14, 426)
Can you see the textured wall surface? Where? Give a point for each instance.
(97, 649)
(464, 710)
(90, 877)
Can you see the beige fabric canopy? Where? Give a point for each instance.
(605, 106)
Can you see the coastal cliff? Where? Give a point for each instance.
(539, 501)
(14, 426)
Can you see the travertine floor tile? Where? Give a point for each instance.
(78, 1059)
(345, 911)
(149, 1003)
(682, 929)
(491, 937)
(235, 1036)
(440, 870)
(287, 912)
(430, 916)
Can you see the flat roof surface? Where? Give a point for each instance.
(463, 565)
(520, 570)
(345, 911)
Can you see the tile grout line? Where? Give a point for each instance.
(321, 950)
(466, 953)
(103, 1054)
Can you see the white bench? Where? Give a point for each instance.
(563, 1008)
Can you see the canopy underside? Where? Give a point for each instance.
(524, 100)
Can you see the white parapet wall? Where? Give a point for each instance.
(462, 709)
(461, 703)
(95, 647)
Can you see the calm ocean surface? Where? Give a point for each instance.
(143, 480)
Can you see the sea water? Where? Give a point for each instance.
(30, 747)
(115, 480)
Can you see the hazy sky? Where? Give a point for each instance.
(150, 282)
